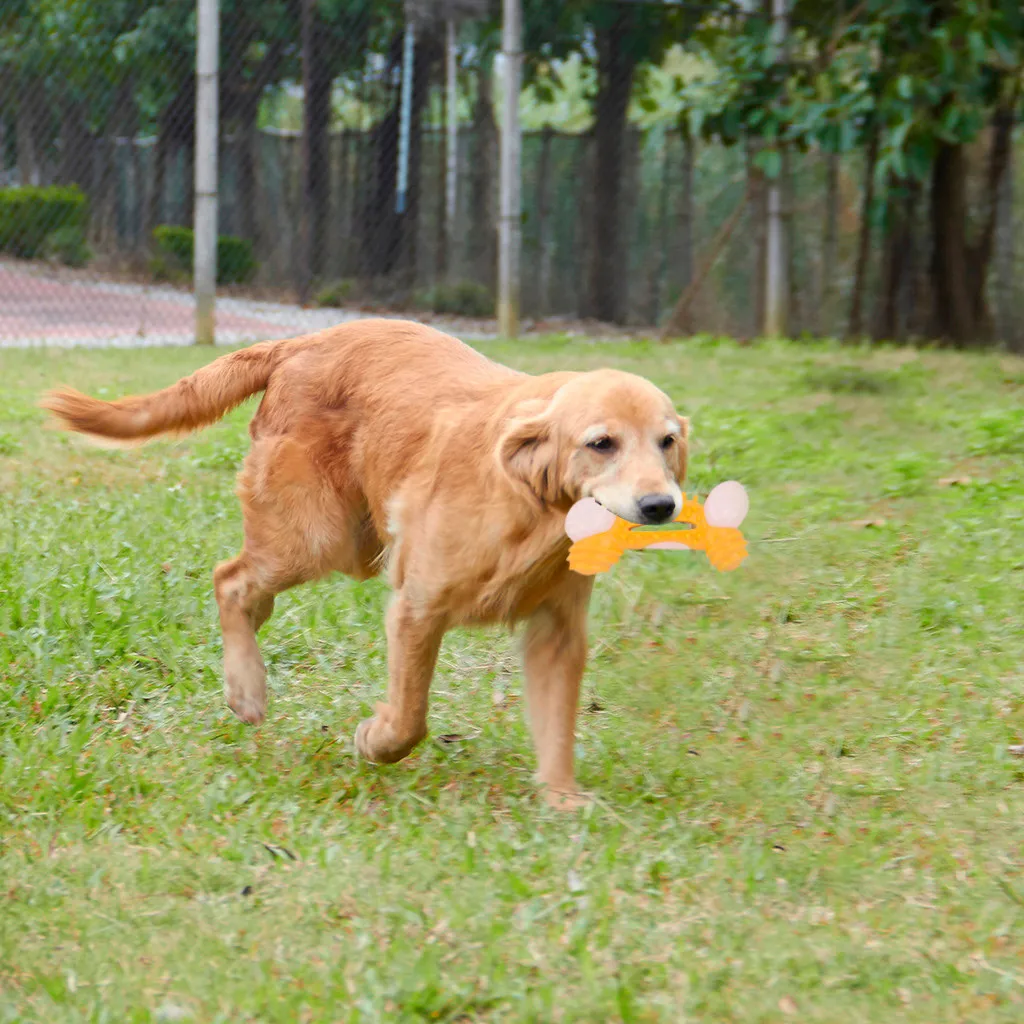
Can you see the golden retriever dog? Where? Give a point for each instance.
(387, 445)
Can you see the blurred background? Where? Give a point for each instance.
(654, 136)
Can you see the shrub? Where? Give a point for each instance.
(29, 215)
(460, 298)
(336, 294)
(235, 261)
(68, 245)
(175, 247)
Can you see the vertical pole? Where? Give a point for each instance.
(452, 162)
(205, 225)
(509, 232)
(776, 288)
(405, 113)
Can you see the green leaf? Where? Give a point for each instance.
(769, 161)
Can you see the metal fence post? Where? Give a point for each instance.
(509, 232)
(205, 226)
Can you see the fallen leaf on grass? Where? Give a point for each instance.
(865, 524)
(787, 1004)
(955, 481)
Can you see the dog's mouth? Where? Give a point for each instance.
(647, 527)
(672, 527)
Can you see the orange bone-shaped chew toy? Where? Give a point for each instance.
(600, 537)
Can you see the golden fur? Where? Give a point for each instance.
(386, 444)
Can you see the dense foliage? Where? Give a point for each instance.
(28, 216)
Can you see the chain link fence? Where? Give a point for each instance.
(97, 130)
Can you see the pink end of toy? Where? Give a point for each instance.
(727, 504)
(587, 518)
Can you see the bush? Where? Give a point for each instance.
(461, 298)
(235, 261)
(68, 246)
(29, 215)
(336, 294)
(175, 247)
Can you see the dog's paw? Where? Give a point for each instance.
(565, 799)
(379, 742)
(250, 710)
(360, 742)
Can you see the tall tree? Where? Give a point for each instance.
(930, 77)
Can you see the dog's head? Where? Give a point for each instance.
(607, 435)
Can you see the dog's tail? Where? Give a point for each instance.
(195, 401)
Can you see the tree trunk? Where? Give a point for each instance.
(687, 217)
(897, 274)
(440, 264)
(316, 109)
(248, 155)
(662, 233)
(1005, 257)
(829, 247)
(959, 313)
(680, 318)
(26, 133)
(543, 263)
(155, 200)
(758, 215)
(74, 145)
(616, 67)
(428, 50)
(380, 222)
(483, 243)
(855, 328)
(189, 149)
(960, 268)
(793, 319)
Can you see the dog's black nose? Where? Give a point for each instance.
(656, 508)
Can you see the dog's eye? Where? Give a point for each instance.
(667, 441)
(602, 444)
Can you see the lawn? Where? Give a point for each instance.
(809, 804)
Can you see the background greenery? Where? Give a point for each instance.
(891, 126)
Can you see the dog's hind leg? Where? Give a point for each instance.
(244, 604)
(297, 528)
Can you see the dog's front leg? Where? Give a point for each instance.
(413, 642)
(555, 655)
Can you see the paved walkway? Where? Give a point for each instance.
(41, 307)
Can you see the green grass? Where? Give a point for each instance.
(808, 807)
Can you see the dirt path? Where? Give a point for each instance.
(45, 306)
(40, 307)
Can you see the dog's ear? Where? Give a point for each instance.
(528, 451)
(682, 448)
